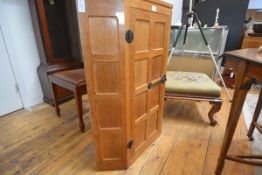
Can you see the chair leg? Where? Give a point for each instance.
(55, 98)
(215, 108)
(255, 116)
(78, 99)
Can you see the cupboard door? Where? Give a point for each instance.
(148, 53)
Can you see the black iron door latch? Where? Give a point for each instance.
(161, 81)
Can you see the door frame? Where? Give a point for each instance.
(12, 70)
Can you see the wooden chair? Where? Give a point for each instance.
(194, 86)
(73, 80)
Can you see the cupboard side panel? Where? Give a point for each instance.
(102, 40)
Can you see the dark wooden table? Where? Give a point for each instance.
(247, 64)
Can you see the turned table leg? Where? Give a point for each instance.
(78, 99)
(255, 117)
(234, 115)
(242, 87)
(55, 97)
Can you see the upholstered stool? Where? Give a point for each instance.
(194, 86)
(73, 80)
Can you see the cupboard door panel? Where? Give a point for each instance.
(159, 35)
(156, 67)
(140, 105)
(152, 124)
(141, 72)
(142, 36)
(140, 135)
(153, 97)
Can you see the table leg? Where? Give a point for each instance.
(55, 97)
(235, 111)
(78, 99)
(255, 117)
(234, 115)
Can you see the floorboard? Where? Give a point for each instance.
(39, 142)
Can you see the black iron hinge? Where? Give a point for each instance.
(130, 144)
(129, 36)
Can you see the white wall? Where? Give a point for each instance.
(177, 11)
(255, 4)
(16, 23)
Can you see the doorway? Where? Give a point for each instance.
(10, 99)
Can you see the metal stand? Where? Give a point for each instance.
(190, 17)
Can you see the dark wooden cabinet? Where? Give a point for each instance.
(56, 30)
(251, 42)
(255, 14)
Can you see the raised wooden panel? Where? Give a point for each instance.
(142, 35)
(110, 145)
(159, 35)
(140, 135)
(140, 105)
(109, 113)
(103, 35)
(141, 72)
(156, 67)
(153, 97)
(106, 77)
(152, 124)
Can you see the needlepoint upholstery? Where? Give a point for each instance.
(191, 83)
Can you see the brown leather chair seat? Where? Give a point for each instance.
(76, 76)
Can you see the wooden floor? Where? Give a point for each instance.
(38, 142)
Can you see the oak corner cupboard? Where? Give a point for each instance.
(125, 47)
